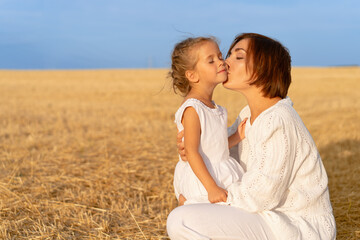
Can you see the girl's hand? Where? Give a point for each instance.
(182, 200)
(241, 129)
(217, 194)
(180, 145)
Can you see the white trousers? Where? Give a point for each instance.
(213, 221)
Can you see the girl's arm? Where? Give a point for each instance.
(238, 135)
(192, 131)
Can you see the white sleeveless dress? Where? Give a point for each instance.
(213, 149)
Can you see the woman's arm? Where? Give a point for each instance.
(192, 131)
(180, 145)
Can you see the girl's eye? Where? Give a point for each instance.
(212, 61)
(239, 58)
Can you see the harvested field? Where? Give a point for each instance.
(90, 154)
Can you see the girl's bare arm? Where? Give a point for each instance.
(238, 135)
(192, 131)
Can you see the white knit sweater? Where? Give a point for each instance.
(285, 180)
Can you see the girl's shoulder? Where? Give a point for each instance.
(197, 104)
(201, 109)
(190, 102)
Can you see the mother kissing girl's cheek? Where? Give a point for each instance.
(283, 192)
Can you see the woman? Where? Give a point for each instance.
(283, 193)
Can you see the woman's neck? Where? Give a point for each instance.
(258, 103)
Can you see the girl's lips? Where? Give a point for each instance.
(224, 70)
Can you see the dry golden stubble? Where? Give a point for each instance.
(91, 154)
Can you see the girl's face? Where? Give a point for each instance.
(239, 75)
(210, 66)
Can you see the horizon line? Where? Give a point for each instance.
(152, 68)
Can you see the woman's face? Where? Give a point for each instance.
(239, 74)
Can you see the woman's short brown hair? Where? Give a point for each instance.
(271, 63)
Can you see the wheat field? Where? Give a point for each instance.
(90, 154)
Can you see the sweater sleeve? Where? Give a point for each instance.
(266, 181)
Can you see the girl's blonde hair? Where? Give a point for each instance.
(184, 58)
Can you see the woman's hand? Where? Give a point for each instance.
(217, 194)
(180, 145)
(182, 200)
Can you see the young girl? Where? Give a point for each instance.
(197, 67)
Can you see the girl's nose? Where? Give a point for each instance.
(227, 65)
(222, 63)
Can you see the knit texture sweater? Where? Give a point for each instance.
(285, 180)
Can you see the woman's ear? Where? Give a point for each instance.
(192, 76)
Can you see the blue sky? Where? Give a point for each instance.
(87, 34)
